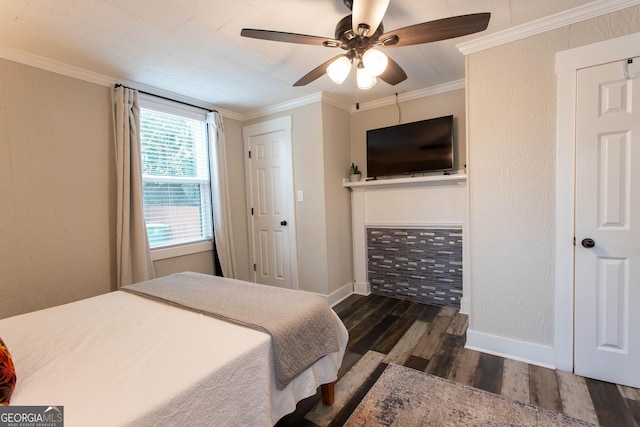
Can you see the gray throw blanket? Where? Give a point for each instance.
(302, 325)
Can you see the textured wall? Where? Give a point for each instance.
(57, 212)
(337, 155)
(512, 125)
(200, 262)
(308, 166)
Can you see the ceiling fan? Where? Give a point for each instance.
(362, 32)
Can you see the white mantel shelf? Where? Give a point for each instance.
(406, 182)
(434, 201)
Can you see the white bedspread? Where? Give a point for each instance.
(120, 359)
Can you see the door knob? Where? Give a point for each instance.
(588, 243)
(283, 222)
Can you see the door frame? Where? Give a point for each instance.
(568, 63)
(274, 125)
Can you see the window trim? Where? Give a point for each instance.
(151, 102)
(181, 250)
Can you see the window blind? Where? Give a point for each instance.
(175, 172)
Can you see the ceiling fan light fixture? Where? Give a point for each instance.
(369, 13)
(365, 79)
(339, 69)
(375, 61)
(362, 32)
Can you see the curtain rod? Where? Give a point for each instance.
(164, 97)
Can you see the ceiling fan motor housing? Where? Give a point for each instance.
(353, 44)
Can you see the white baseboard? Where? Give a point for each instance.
(523, 351)
(339, 295)
(361, 289)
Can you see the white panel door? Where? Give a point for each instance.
(270, 203)
(607, 256)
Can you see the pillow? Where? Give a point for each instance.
(7, 375)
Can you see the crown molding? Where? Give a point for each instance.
(57, 67)
(284, 106)
(331, 100)
(47, 64)
(296, 103)
(548, 23)
(229, 114)
(610, 50)
(177, 97)
(409, 96)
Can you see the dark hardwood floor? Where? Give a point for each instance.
(429, 338)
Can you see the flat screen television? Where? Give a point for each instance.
(417, 147)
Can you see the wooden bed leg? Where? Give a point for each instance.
(327, 393)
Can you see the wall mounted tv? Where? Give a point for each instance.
(424, 146)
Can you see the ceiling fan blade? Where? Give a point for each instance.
(316, 73)
(280, 36)
(393, 74)
(369, 13)
(440, 29)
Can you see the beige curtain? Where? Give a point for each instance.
(223, 237)
(133, 255)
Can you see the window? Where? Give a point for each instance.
(175, 173)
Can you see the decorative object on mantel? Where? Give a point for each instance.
(354, 173)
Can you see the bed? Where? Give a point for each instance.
(123, 359)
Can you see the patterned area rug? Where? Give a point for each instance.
(406, 397)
